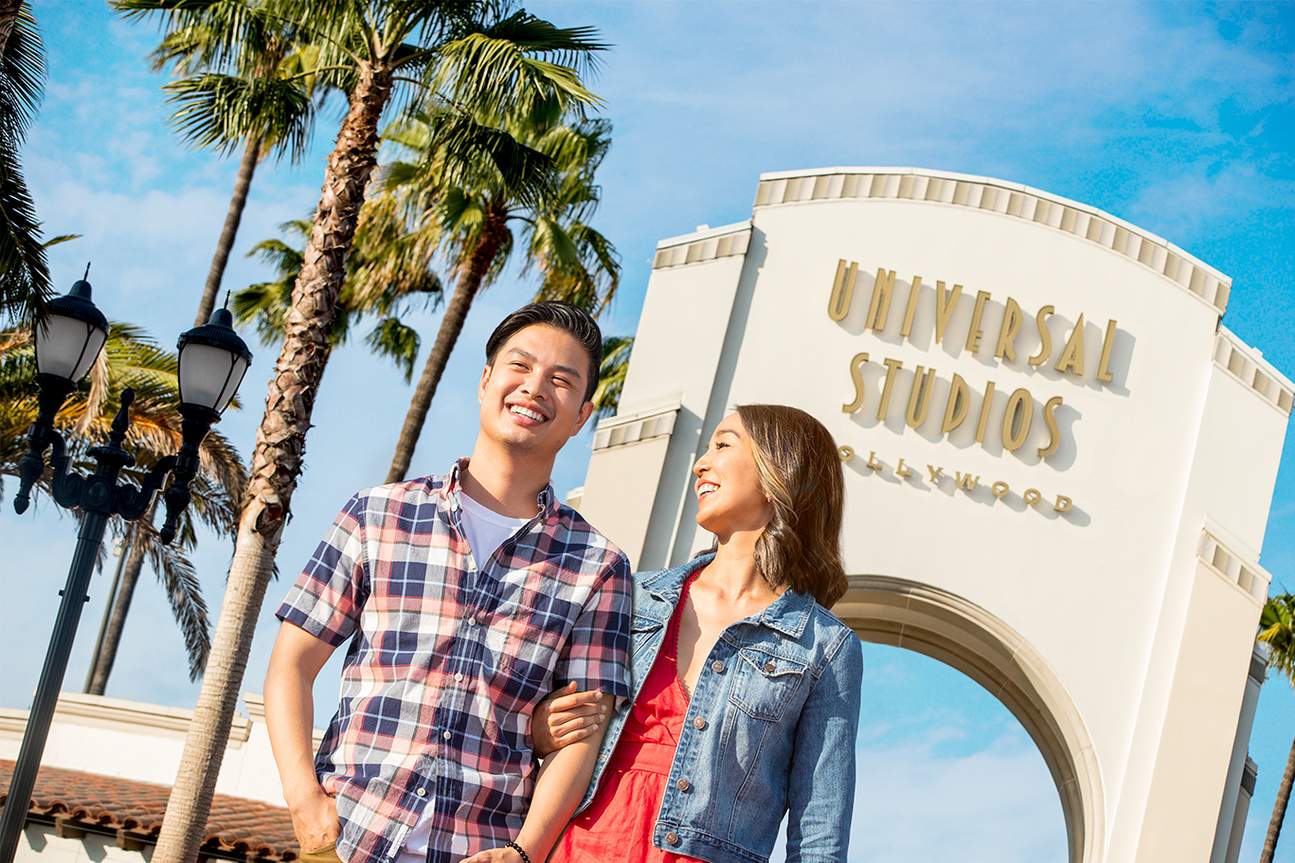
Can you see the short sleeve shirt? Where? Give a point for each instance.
(447, 660)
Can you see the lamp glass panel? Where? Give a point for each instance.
(67, 347)
(204, 375)
(231, 386)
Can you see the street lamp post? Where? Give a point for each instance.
(213, 360)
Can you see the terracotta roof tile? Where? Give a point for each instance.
(236, 826)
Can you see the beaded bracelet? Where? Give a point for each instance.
(526, 858)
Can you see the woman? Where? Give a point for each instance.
(746, 687)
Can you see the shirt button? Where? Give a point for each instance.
(717, 667)
(421, 792)
(672, 838)
(682, 785)
(445, 735)
(459, 677)
(769, 667)
(699, 723)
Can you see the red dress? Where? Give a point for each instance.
(620, 819)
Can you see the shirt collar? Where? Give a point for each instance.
(452, 487)
(787, 614)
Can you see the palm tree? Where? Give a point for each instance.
(459, 51)
(611, 375)
(24, 270)
(387, 270)
(265, 106)
(577, 263)
(132, 359)
(1277, 630)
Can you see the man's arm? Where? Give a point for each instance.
(561, 783)
(289, 719)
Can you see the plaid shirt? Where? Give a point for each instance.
(447, 660)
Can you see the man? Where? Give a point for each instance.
(467, 598)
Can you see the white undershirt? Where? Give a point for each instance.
(486, 531)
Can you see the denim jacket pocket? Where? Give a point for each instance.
(764, 683)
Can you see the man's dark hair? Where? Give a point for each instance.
(554, 313)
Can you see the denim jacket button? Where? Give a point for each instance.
(699, 723)
(682, 785)
(672, 838)
(717, 667)
(769, 667)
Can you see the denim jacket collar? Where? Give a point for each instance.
(787, 614)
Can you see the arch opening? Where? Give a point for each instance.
(939, 624)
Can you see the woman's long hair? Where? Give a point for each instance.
(800, 472)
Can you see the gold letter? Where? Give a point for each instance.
(1050, 417)
(846, 453)
(872, 460)
(1015, 431)
(856, 374)
(1032, 496)
(983, 422)
(911, 310)
(902, 469)
(955, 409)
(1000, 489)
(919, 398)
(892, 366)
(1104, 364)
(1006, 349)
(1072, 357)
(934, 472)
(879, 308)
(944, 307)
(966, 481)
(838, 305)
(1063, 503)
(1045, 337)
(977, 311)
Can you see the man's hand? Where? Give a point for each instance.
(565, 717)
(314, 820)
(494, 855)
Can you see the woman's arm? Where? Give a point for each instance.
(561, 783)
(820, 798)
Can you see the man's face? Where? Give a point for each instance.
(533, 395)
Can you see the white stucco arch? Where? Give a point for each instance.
(936, 623)
(1144, 523)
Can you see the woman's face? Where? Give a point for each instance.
(729, 497)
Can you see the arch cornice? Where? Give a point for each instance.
(961, 634)
(1013, 200)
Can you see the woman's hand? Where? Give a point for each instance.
(565, 717)
(494, 855)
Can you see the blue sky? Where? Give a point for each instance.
(1177, 117)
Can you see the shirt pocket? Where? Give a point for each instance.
(529, 629)
(765, 683)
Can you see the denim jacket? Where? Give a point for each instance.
(770, 729)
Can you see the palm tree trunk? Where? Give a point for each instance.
(276, 464)
(8, 18)
(107, 654)
(1279, 809)
(479, 262)
(242, 182)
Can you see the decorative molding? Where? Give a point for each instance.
(1249, 773)
(1248, 366)
(1252, 578)
(1258, 667)
(641, 425)
(1007, 199)
(708, 245)
(116, 711)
